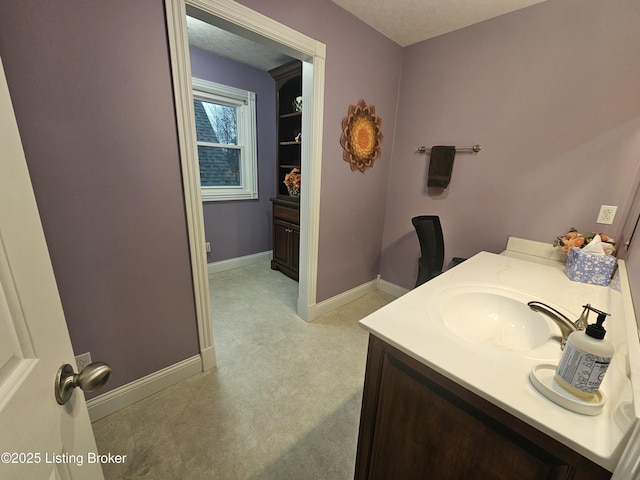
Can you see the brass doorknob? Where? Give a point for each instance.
(92, 377)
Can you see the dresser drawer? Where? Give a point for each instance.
(287, 214)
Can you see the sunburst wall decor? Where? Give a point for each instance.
(361, 136)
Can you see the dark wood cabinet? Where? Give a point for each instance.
(286, 208)
(286, 237)
(416, 423)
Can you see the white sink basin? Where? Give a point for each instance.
(492, 317)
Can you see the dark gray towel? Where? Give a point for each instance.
(440, 166)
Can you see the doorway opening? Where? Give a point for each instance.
(251, 25)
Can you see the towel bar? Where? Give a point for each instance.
(473, 149)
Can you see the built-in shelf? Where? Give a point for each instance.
(291, 115)
(286, 208)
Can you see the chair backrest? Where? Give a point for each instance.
(431, 240)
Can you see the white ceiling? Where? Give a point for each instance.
(410, 21)
(229, 45)
(404, 21)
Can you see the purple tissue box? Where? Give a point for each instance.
(589, 267)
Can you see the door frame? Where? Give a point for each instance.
(240, 19)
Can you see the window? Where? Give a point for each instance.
(226, 138)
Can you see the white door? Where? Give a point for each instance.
(39, 439)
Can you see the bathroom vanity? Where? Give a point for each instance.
(447, 392)
(416, 423)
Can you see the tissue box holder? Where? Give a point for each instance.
(589, 267)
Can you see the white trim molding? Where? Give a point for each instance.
(312, 94)
(208, 358)
(175, 12)
(238, 262)
(343, 298)
(391, 288)
(121, 397)
(244, 102)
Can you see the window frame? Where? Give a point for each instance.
(245, 103)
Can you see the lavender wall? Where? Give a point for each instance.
(549, 91)
(633, 269)
(632, 254)
(360, 63)
(551, 94)
(240, 228)
(91, 87)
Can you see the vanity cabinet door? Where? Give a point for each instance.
(415, 423)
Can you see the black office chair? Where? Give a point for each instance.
(431, 240)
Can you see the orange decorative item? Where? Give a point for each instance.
(361, 136)
(292, 181)
(573, 238)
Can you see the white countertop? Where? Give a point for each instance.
(502, 377)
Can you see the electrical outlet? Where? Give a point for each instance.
(607, 214)
(207, 246)
(83, 360)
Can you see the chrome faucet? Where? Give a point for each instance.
(566, 326)
(582, 322)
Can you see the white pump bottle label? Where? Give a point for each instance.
(582, 370)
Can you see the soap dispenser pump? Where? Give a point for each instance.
(585, 359)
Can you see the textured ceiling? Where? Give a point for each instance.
(410, 21)
(404, 21)
(229, 45)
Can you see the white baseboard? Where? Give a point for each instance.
(341, 299)
(237, 262)
(208, 356)
(118, 398)
(305, 311)
(121, 397)
(391, 288)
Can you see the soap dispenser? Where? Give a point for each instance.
(585, 359)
